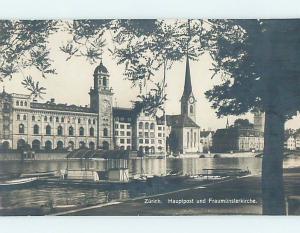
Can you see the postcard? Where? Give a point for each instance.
(149, 117)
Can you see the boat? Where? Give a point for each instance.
(17, 182)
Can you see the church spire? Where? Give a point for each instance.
(187, 83)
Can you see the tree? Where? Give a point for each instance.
(24, 44)
(259, 60)
(242, 123)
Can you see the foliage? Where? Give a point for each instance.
(23, 44)
(259, 63)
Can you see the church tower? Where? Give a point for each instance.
(101, 103)
(188, 101)
(259, 121)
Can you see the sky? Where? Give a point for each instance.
(75, 77)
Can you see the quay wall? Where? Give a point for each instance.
(5, 156)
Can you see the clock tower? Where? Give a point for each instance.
(101, 103)
(188, 101)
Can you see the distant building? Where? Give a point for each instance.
(290, 142)
(206, 139)
(185, 132)
(237, 139)
(297, 141)
(259, 121)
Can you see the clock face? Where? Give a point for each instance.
(191, 100)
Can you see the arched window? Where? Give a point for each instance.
(18, 117)
(92, 132)
(17, 103)
(147, 125)
(48, 145)
(33, 118)
(24, 117)
(140, 125)
(89, 121)
(36, 145)
(94, 121)
(50, 119)
(152, 126)
(62, 119)
(57, 119)
(36, 129)
(105, 132)
(25, 103)
(59, 130)
(79, 120)
(21, 103)
(191, 109)
(104, 81)
(45, 118)
(48, 130)
(60, 145)
(21, 128)
(81, 131)
(71, 131)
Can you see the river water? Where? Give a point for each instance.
(39, 196)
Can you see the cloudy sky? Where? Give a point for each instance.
(75, 77)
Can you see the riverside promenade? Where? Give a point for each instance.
(240, 196)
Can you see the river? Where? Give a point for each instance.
(36, 197)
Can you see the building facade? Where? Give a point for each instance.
(241, 138)
(52, 126)
(184, 131)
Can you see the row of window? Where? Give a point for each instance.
(122, 141)
(36, 130)
(57, 119)
(191, 141)
(147, 141)
(146, 126)
(21, 103)
(128, 119)
(152, 135)
(122, 126)
(122, 133)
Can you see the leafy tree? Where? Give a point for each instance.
(259, 60)
(24, 44)
(242, 123)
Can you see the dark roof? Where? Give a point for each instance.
(100, 69)
(181, 121)
(122, 112)
(205, 133)
(187, 91)
(60, 107)
(238, 132)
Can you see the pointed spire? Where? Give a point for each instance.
(227, 124)
(187, 83)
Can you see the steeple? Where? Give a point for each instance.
(188, 101)
(227, 124)
(187, 91)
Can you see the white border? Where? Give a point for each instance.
(68, 9)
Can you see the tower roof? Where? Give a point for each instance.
(187, 91)
(100, 69)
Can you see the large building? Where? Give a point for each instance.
(47, 126)
(239, 138)
(185, 132)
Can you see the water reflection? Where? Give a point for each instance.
(35, 197)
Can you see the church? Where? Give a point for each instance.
(184, 137)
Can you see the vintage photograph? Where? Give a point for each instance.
(149, 117)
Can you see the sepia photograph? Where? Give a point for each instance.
(149, 117)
